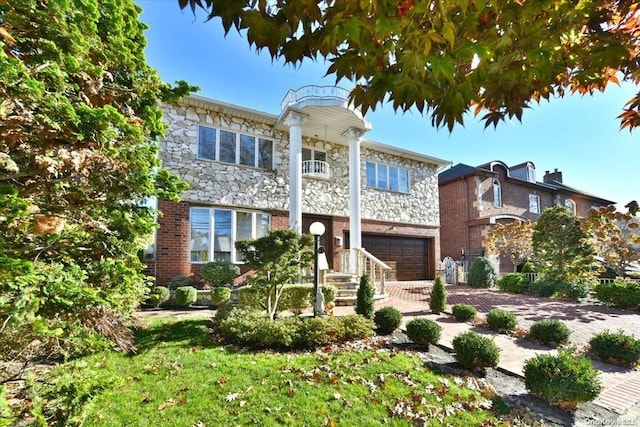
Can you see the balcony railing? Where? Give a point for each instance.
(316, 169)
(317, 92)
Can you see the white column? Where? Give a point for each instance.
(354, 136)
(295, 121)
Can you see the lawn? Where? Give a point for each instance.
(181, 377)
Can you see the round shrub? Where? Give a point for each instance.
(515, 282)
(616, 347)
(542, 288)
(387, 319)
(481, 274)
(619, 294)
(180, 281)
(572, 291)
(424, 331)
(158, 295)
(438, 296)
(464, 312)
(220, 295)
(219, 273)
(473, 351)
(549, 332)
(501, 319)
(562, 379)
(185, 296)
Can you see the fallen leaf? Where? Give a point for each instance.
(231, 397)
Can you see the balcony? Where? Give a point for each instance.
(316, 169)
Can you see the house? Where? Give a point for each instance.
(474, 199)
(250, 171)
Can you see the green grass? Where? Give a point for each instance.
(180, 377)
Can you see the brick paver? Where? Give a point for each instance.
(621, 386)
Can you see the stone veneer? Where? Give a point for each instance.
(222, 184)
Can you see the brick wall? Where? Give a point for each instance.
(172, 241)
(456, 198)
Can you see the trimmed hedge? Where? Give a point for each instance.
(514, 282)
(473, 351)
(464, 312)
(219, 273)
(220, 295)
(550, 332)
(185, 296)
(158, 295)
(562, 379)
(387, 319)
(571, 291)
(294, 298)
(501, 319)
(616, 347)
(620, 294)
(424, 331)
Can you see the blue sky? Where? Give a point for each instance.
(580, 136)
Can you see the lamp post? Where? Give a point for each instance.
(317, 230)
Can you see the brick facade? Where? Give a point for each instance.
(467, 210)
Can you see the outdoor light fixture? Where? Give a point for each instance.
(317, 229)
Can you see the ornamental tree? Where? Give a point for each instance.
(614, 235)
(561, 249)
(277, 259)
(447, 58)
(512, 240)
(79, 112)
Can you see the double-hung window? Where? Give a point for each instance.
(214, 232)
(534, 203)
(232, 147)
(497, 194)
(387, 177)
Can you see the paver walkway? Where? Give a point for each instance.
(621, 386)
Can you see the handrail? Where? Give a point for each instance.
(314, 91)
(365, 263)
(316, 168)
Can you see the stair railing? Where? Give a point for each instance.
(358, 261)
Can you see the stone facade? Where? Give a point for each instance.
(222, 184)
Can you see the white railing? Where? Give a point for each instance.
(316, 168)
(360, 262)
(318, 92)
(534, 276)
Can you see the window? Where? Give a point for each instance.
(571, 205)
(534, 203)
(231, 147)
(312, 157)
(497, 194)
(387, 177)
(531, 173)
(215, 231)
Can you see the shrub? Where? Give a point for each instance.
(364, 301)
(185, 296)
(424, 331)
(329, 292)
(563, 378)
(473, 351)
(250, 297)
(549, 331)
(617, 347)
(438, 296)
(158, 295)
(180, 281)
(501, 319)
(572, 291)
(294, 298)
(619, 294)
(319, 331)
(542, 288)
(464, 312)
(219, 273)
(387, 319)
(220, 295)
(356, 327)
(528, 267)
(514, 282)
(481, 274)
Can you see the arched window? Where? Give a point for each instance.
(497, 194)
(531, 172)
(571, 205)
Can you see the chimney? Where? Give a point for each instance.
(556, 175)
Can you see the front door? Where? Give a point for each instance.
(326, 240)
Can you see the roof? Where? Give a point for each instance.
(462, 170)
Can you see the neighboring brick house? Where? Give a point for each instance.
(473, 199)
(243, 183)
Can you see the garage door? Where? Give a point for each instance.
(407, 253)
